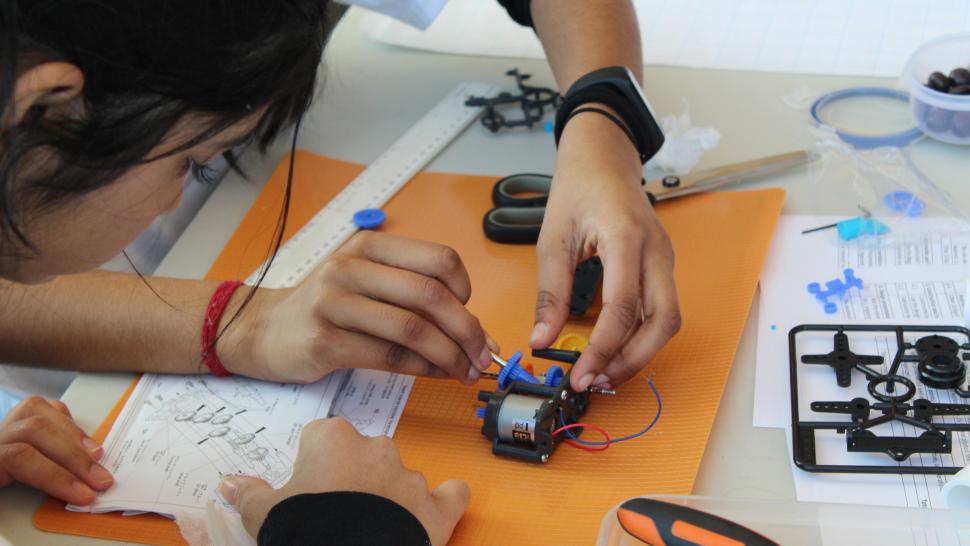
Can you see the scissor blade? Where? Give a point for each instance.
(672, 187)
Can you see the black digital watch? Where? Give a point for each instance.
(616, 87)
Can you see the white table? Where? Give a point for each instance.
(373, 93)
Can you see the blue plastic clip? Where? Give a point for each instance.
(513, 371)
(369, 218)
(836, 289)
(553, 376)
(480, 413)
(854, 227)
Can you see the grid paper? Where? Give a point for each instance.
(838, 37)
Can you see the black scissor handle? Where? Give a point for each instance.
(507, 191)
(514, 225)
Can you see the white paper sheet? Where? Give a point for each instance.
(914, 279)
(847, 37)
(177, 436)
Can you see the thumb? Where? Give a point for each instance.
(252, 497)
(556, 270)
(451, 500)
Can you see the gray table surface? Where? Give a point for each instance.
(373, 93)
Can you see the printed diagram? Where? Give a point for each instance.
(179, 435)
(223, 425)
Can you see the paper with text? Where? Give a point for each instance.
(917, 278)
(177, 436)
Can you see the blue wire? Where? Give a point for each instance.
(656, 418)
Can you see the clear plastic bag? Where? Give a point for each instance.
(885, 188)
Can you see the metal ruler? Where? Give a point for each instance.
(374, 187)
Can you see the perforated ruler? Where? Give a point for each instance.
(374, 187)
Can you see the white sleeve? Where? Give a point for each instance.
(417, 13)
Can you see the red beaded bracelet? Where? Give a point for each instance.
(210, 326)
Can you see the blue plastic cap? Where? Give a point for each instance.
(854, 227)
(480, 413)
(369, 218)
(553, 376)
(548, 127)
(905, 202)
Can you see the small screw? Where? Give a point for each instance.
(670, 181)
(601, 390)
(544, 457)
(563, 395)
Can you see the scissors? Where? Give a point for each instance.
(520, 199)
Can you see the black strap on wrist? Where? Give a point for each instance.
(619, 122)
(607, 95)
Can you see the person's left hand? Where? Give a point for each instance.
(597, 206)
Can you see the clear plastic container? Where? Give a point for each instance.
(942, 116)
(794, 523)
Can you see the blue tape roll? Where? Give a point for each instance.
(866, 142)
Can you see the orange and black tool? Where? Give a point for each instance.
(659, 523)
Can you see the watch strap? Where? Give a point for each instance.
(646, 139)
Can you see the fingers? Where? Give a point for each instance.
(252, 497)
(58, 440)
(557, 266)
(622, 257)
(425, 258)
(431, 298)
(61, 407)
(451, 500)
(23, 463)
(377, 354)
(661, 318)
(405, 328)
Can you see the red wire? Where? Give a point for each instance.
(577, 445)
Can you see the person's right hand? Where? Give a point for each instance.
(381, 301)
(40, 446)
(333, 456)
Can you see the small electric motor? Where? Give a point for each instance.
(520, 416)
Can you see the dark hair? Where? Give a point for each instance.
(147, 64)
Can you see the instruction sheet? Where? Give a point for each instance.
(178, 436)
(912, 278)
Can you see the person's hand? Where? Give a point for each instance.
(597, 206)
(333, 456)
(381, 301)
(40, 446)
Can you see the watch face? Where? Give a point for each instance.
(643, 98)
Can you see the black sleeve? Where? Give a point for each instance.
(519, 10)
(345, 518)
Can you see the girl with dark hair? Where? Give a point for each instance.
(104, 106)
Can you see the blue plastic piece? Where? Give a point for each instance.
(905, 202)
(852, 228)
(513, 371)
(835, 289)
(369, 218)
(548, 127)
(480, 413)
(553, 376)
